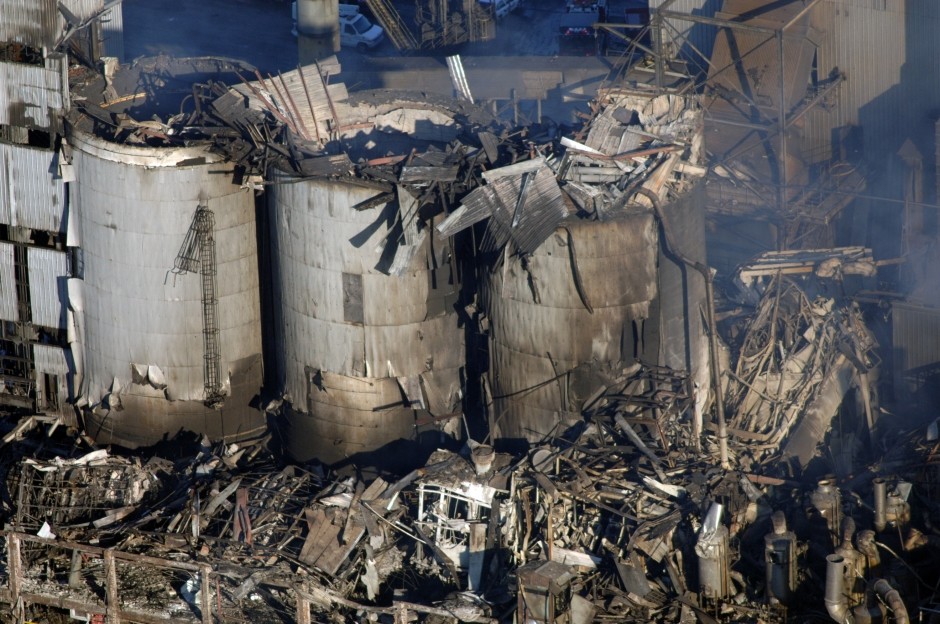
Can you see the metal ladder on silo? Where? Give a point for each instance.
(394, 27)
(197, 254)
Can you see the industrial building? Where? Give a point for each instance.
(670, 356)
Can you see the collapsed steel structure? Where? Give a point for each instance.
(666, 477)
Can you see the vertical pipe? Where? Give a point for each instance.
(716, 370)
(709, 319)
(75, 570)
(880, 489)
(836, 604)
(657, 31)
(782, 126)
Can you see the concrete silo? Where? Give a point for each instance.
(596, 281)
(167, 314)
(603, 290)
(369, 350)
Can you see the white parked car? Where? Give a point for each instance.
(355, 30)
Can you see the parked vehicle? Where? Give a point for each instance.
(577, 35)
(355, 29)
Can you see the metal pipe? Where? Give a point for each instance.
(709, 318)
(880, 489)
(836, 603)
(865, 542)
(891, 596)
(780, 560)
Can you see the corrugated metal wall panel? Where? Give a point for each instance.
(31, 22)
(30, 195)
(84, 9)
(888, 50)
(8, 307)
(112, 32)
(48, 271)
(50, 359)
(916, 338)
(31, 96)
(37, 22)
(685, 34)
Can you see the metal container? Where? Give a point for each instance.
(714, 564)
(364, 358)
(169, 336)
(826, 508)
(780, 561)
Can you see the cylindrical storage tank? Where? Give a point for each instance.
(168, 309)
(367, 361)
(548, 351)
(714, 565)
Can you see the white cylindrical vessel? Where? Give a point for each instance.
(165, 349)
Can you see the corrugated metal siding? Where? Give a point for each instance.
(31, 22)
(112, 32)
(50, 359)
(38, 22)
(888, 50)
(32, 96)
(30, 195)
(916, 346)
(937, 161)
(8, 307)
(48, 295)
(684, 34)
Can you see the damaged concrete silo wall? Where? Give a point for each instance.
(575, 311)
(168, 304)
(364, 357)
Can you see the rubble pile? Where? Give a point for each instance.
(627, 510)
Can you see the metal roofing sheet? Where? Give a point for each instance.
(31, 195)
(50, 359)
(8, 308)
(32, 96)
(48, 296)
(525, 212)
(302, 98)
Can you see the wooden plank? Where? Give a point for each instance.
(316, 539)
(112, 599)
(334, 556)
